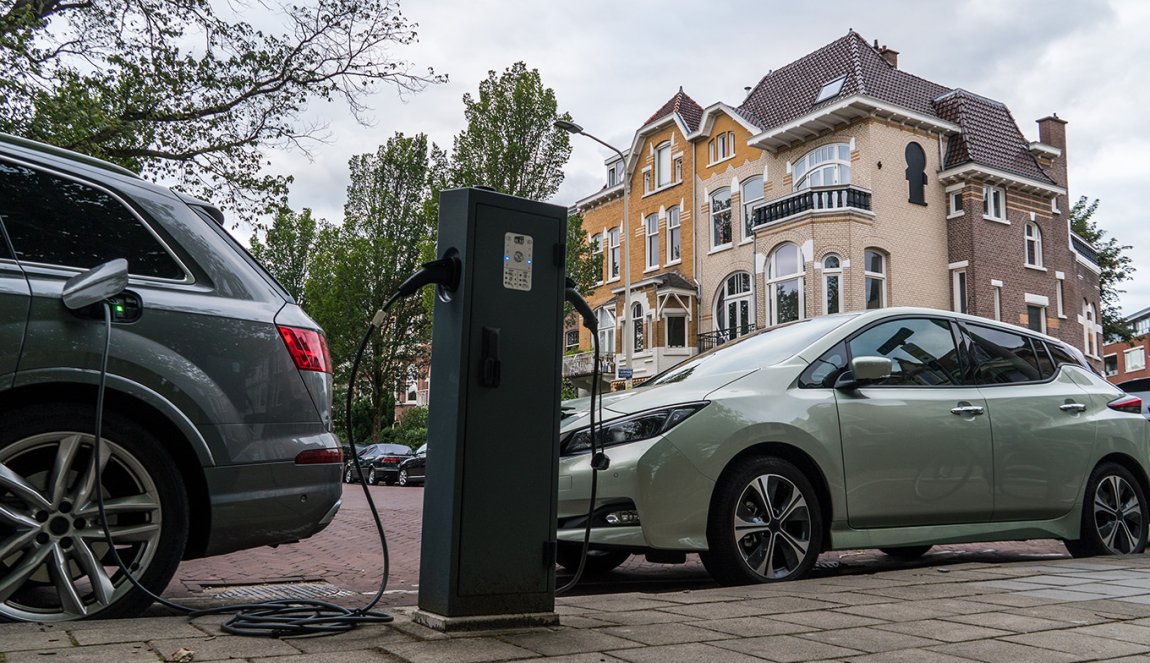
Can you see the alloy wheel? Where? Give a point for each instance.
(403, 477)
(772, 526)
(55, 563)
(1117, 515)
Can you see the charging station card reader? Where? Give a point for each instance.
(490, 512)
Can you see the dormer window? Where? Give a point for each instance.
(722, 147)
(663, 165)
(831, 89)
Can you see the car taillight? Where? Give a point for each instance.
(319, 456)
(308, 349)
(390, 460)
(1131, 404)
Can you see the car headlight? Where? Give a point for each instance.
(633, 428)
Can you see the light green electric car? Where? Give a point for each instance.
(895, 429)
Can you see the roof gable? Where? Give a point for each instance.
(688, 110)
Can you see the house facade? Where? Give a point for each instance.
(842, 183)
(1122, 360)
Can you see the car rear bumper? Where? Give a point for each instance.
(269, 503)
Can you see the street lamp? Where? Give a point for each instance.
(628, 337)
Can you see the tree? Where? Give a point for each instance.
(286, 250)
(388, 231)
(1117, 268)
(170, 88)
(509, 143)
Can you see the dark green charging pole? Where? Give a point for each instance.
(489, 504)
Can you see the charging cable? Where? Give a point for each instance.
(291, 617)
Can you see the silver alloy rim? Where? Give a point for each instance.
(1117, 515)
(54, 561)
(403, 477)
(772, 526)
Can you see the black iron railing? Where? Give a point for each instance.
(823, 199)
(709, 340)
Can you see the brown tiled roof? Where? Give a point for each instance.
(989, 136)
(685, 106)
(674, 280)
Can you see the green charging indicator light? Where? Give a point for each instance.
(119, 308)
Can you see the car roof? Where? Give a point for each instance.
(393, 448)
(61, 153)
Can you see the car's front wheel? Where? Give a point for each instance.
(765, 524)
(55, 563)
(1114, 514)
(348, 475)
(371, 478)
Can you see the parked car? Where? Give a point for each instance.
(1141, 389)
(217, 421)
(895, 429)
(380, 461)
(414, 469)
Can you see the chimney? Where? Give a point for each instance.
(1052, 132)
(890, 55)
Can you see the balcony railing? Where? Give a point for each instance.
(709, 340)
(584, 364)
(1084, 249)
(817, 200)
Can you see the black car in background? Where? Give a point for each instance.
(414, 469)
(380, 462)
(1141, 389)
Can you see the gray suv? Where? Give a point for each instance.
(218, 409)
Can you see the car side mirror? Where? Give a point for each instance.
(864, 371)
(96, 284)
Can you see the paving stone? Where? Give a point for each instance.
(718, 610)
(858, 598)
(641, 617)
(459, 650)
(920, 592)
(1114, 589)
(1064, 595)
(1011, 600)
(788, 604)
(691, 653)
(579, 621)
(665, 634)
(1116, 608)
(568, 641)
(115, 653)
(751, 627)
(223, 647)
(961, 606)
(870, 639)
(619, 602)
(902, 611)
(594, 657)
(999, 651)
(351, 656)
(365, 637)
(13, 638)
(1080, 644)
(785, 648)
(945, 631)
(136, 630)
(1060, 580)
(909, 656)
(1008, 622)
(1108, 576)
(1130, 659)
(710, 596)
(1015, 585)
(1118, 631)
(828, 619)
(1064, 613)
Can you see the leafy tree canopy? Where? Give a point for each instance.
(286, 250)
(1117, 268)
(509, 143)
(175, 90)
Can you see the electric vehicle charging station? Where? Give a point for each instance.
(490, 501)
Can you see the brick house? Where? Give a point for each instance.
(843, 183)
(1124, 361)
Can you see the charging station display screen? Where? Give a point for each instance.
(518, 257)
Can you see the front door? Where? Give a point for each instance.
(917, 448)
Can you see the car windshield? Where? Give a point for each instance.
(394, 449)
(764, 348)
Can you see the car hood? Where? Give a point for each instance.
(575, 413)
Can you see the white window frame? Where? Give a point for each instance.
(1139, 352)
(614, 264)
(774, 278)
(674, 235)
(1109, 373)
(990, 211)
(597, 240)
(954, 204)
(736, 294)
(567, 345)
(749, 203)
(998, 303)
(667, 317)
(716, 214)
(814, 161)
(1042, 317)
(651, 226)
(663, 171)
(1090, 335)
(605, 315)
(959, 286)
(721, 147)
(835, 273)
(640, 338)
(1033, 239)
(879, 276)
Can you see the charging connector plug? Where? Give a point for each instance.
(575, 299)
(444, 272)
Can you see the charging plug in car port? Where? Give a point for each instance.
(126, 308)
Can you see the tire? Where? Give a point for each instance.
(403, 478)
(58, 518)
(348, 475)
(371, 478)
(1114, 514)
(746, 545)
(598, 561)
(906, 553)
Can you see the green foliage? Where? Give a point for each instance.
(286, 250)
(181, 92)
(1117, 268)
(583, 265)
(388, 231)
(510, 143)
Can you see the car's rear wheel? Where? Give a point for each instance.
(371, 478)
(598, 561)
(348, 475)
(1114, 514)
(906, 553)
(765, 524)
(55, 564)
(403, 478)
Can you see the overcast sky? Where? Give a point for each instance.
(612, 64)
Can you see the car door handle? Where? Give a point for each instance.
(967, 409)
(1072, 407)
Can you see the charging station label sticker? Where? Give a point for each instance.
(518, 257)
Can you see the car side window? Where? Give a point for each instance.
(58, 221)
(922, 351)
(1061, 356)
(824, 371)
(1002, 357)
